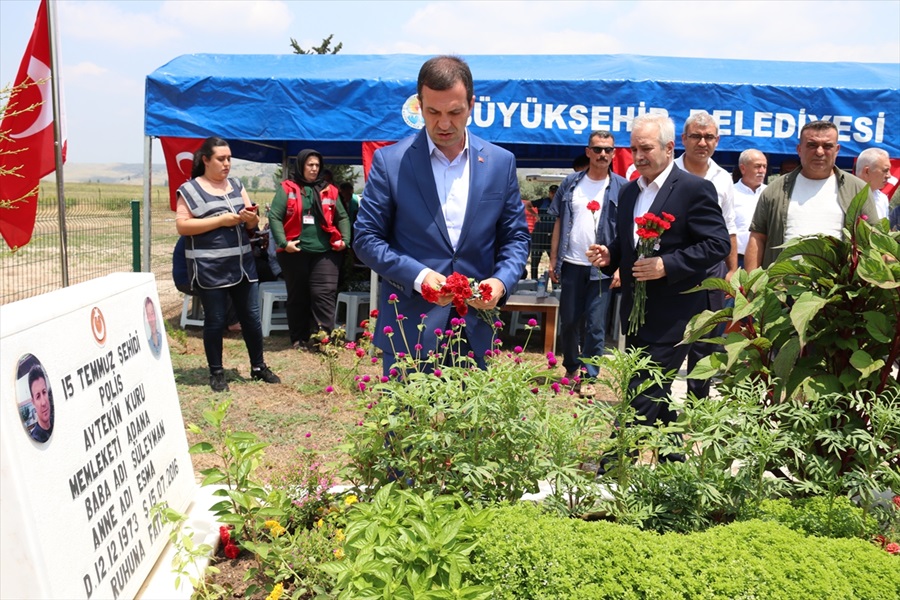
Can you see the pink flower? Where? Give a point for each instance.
(360, 352)
(329, 389)
(362, 386)
(388, 330)
(532, 322)
(438, 372)
(308, 434)
(498, 324)
(350, 346)
(574, 415)
(325, 340)
(555, 387)
(518, 350)
(366, 378)
(552, 363)
(392, 298)
(400, 316)
(564, 381)
(374, 360)
(385, 379)
(892, 548)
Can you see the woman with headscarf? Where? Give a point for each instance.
(310, 228)
(214, 212)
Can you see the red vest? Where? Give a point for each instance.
(293, 214)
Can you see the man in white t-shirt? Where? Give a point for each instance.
(584, 208)
(753, 166)
(874, 167)
(810, 200)
(700, 137)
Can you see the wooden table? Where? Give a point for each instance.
(547, 306)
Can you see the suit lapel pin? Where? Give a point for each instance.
(481, 159)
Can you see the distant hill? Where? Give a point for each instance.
(133, 173)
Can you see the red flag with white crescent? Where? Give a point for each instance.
(26, 146)
(179, 155)
(623, 164)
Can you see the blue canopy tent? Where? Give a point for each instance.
(539, 107)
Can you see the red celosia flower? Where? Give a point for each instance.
(225, 534)
(231, 551)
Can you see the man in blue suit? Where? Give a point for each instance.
(435, 203)
(696, 240)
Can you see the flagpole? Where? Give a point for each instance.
(58, 141)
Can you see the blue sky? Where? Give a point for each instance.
(108, 48)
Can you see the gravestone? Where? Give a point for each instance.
(92, 438)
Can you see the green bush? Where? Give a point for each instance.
(819, 515)
(525, 554)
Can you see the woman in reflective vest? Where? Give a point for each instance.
(214, 212)
(310, 227)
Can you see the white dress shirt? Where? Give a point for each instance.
(451, 178)
(745, 201)
(721, 179)
(649, 190)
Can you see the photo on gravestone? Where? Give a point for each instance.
(34, 398)
(151, 327)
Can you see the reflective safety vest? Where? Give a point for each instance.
(220, 257)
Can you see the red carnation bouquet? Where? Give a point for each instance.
(463, 288)
(650, 229)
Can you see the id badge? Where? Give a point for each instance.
(309, 220)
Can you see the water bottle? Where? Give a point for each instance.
(542, 285)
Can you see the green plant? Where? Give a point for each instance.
(239, 453)
(455, 430)
(188, 553)
(823, 318)
(819, 515)
(401, 545)
(524, 554)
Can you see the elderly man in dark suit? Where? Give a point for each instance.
(435, 203)
(696, 240)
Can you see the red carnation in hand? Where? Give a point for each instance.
(430, 294)
(486, 291)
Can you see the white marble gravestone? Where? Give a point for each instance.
(74, 508)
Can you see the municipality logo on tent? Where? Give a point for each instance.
(412, 113)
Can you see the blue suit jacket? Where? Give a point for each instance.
(400, 230)
(697, 240)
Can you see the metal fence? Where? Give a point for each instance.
(100, 230)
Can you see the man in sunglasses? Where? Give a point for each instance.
(700, 138)
(585, 211)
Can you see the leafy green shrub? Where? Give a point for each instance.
(525, 554)
(822, 516)
(401, 545)
(456, 430)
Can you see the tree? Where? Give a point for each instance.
(341, 173)
(323, 48)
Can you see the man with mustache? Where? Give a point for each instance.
(696, 240)
(810, 200)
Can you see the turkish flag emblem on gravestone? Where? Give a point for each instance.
(26, 143)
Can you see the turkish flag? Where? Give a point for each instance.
(27, 147)
(368, 151)
(623, 164)
(893, 180)
(179, 155)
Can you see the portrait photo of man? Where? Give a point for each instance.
(151, 327)
(35, 399)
